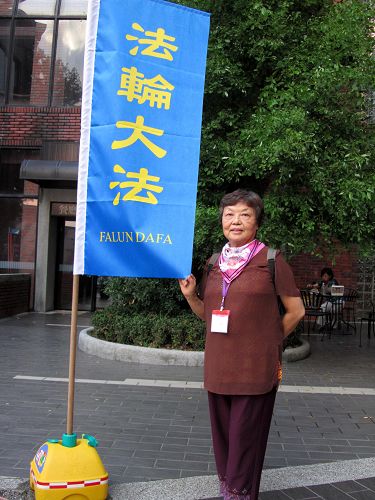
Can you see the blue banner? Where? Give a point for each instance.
(137, 191)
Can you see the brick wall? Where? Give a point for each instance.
(30, 127)
(14, 294)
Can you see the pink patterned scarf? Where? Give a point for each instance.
(232, 260)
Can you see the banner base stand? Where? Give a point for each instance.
(63, 470)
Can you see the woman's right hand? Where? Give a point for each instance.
(188, 286)
(189, 289)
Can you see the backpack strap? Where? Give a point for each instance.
(271, 254)
(212, 262)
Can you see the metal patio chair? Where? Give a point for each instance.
(369, 318)
(349, 309)
(312, 303)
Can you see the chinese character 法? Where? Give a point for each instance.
(157, 40)
(141, 183)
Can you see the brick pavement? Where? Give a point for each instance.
(156, 433)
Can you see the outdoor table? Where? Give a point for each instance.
(337, 304)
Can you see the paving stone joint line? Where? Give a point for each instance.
(199, 385)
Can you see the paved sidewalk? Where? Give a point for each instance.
(151, 431)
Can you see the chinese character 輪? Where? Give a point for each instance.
(154, 90)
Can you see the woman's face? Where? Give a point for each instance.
(239, 224)
(325, 278)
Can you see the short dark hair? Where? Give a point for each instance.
(251, 199)
(327, 270)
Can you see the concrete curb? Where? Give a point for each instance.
(207, 486)
(136, 354)
(152, 356)
(272, 480)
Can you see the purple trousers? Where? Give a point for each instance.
(240, 427)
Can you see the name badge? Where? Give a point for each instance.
(219, 321)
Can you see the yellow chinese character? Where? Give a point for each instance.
(137, 186)
(155, 90)
(157, 40)
(139, 127)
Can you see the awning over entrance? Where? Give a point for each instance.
(50, 173)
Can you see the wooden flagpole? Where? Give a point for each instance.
(72, 354)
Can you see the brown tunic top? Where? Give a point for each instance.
(246, 360)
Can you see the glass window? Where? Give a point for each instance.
(10, 162)
(9, 178)
(10, 229)
(26, 63)
(67, 85)
(36, 8)
(73, 8)
(4, 50)
(18, 217)
(31, 62)
(6, 7)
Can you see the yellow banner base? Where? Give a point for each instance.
(61, 471)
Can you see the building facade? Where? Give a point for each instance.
(41, 70)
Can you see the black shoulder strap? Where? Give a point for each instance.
(211, 262)
(271, 254)
(210, 265)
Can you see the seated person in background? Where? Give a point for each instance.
(324, 285)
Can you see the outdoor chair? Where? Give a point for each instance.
(349, 309)
(369, 318)
(312, 303)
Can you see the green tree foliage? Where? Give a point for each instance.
(286, 114)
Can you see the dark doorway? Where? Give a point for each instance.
(64, 271)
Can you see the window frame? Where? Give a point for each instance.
(56, 17)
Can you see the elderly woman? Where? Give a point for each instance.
(244, 338)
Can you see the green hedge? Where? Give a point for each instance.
(184, 331)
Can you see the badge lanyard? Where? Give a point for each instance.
(224, 293)
(226, 285)
(220, 318)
